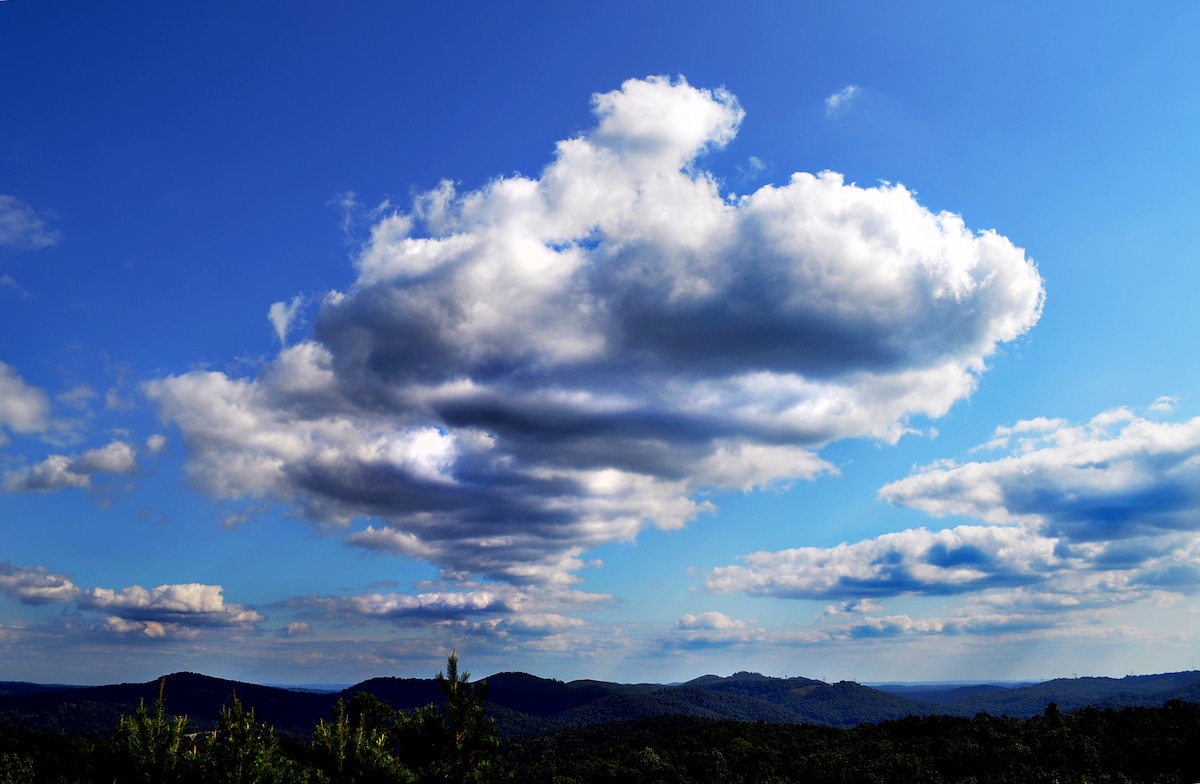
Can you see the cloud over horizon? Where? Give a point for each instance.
(164, 611)
(530, 369)
(1076, 517)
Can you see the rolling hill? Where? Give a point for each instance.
(525, 704)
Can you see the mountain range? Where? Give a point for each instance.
(524, 704)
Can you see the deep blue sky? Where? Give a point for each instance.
(333, 338)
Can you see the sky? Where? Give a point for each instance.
(630, 341)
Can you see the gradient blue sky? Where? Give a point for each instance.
(625, 341)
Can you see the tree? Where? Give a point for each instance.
(242, 750)
(347, 751)
(151, 746)
(474, 743)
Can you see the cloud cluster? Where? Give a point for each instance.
(59, 472)
(21, 227)
(960, 560)
(1077, 517)
(1119, 476)
(168, 610)
(527, 370)
(438, 606)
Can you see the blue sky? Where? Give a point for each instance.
(635, 341)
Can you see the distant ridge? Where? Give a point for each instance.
(525, 704)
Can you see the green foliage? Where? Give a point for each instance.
(242, 750)
(349, 751)
(151, 747)
(470, 741)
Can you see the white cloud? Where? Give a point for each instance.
(282, 316)
(1164, 404)
(837, 104)
(36, 585)
(156, 443)
(1117, 477)
(714, 621)
(150, 629)
(855, 606)
(59, 472)
(967, 558)
(188, 603)
(439, 605)
(23, 408)
(1078, 517)
(21, 227)
(529, 625)
(527, 370)
(132, 608)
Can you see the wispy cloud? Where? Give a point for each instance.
(528, 370)
(22, 228)
(839, 103)
(9, 282)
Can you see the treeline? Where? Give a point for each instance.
(366, 741)
(1137, 744)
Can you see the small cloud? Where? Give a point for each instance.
(1164, 404)
(282, 316)
(59, 472)
(23, 408)
(114, 401)
(297, 629)
(753, 167)
(856, 606)
(77, 396)
(709, 621)
(21, 227)
(7, 281)
(156, 443)
(234, 520)
(839, 103)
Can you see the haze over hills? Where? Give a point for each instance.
(524, 704)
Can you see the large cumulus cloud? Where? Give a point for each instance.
(524, 371)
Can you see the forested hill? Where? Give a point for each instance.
(526, 704)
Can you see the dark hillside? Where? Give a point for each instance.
(525, 704)
(1074, 693)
